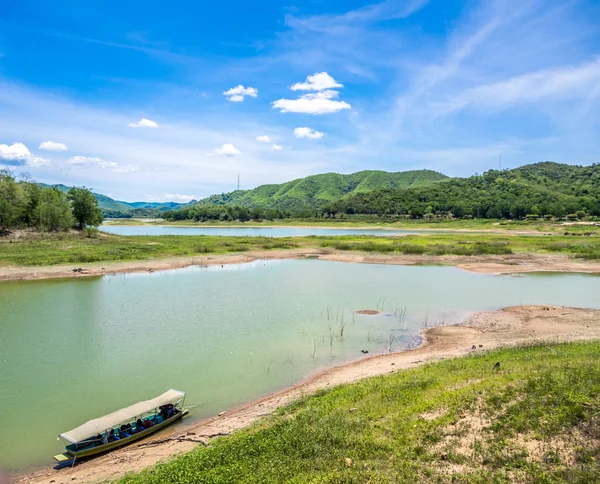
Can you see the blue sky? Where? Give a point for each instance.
(171, 101)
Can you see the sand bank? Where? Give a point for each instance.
(488, 264)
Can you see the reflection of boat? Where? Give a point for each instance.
(122, 427)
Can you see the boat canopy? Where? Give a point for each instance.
(99, 425)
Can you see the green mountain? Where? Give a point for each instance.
(318, 190)
(545, 188)
(157, 205)
(116, 208)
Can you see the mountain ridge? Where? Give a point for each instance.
(315, 191)
(118, 208)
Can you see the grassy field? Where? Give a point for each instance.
(75, 248)
(542, 226)
(536, 419)
(470, 245)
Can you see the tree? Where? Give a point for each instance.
(31, 199)
(11, 200)
(53, 211)
(85, 207)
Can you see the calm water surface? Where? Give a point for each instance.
(72, 350)
(246, 231)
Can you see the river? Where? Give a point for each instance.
(72, 350)
(250, 231)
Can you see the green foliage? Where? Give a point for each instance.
(12, 200)
(27, 204)
(499, 247)
(229, 213)
(542, 189)
(536, 420)
(85, 207)
(307, 195)
(53, 210)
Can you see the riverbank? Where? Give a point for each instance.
(481, 332)
(30, 255)
(487, 264)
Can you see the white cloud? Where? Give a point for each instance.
(320, 102)
(317, 82)
(310, 104)
(276, 147)
(237, 94)
(226, 150)
(328, 94)
(14, 152)
(173, 197)
(126, 169)
(19, 154)
(264, 139)
(89, 161)
(52, 146)
(308, 133)
(143, 123)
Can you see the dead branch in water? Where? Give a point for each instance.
(176, 439)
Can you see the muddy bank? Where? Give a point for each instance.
(482, 331)
(488, 264)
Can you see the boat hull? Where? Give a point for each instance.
(119, 443)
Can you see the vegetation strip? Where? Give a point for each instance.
(84, 248)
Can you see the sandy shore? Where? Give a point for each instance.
(482, 331)
(488, 264)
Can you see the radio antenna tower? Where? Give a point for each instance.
(238, 182)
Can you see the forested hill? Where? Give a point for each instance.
(118, 209)
(543, 189)
(315, 191)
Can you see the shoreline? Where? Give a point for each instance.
(485, 264)
(495, 231)
(511, 326)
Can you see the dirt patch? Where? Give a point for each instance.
(368, 312)
(433, 415)
(563, 449)
(488, 330)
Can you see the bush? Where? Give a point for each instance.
(410, 249)
(90, 232)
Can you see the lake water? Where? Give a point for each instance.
(247, 231)
(71, 350)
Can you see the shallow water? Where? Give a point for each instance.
(71, 350)
(247, 231)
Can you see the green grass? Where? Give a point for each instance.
(53, 249)
(469, 244)
(74, 248)
(535, 420)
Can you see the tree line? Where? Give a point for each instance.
(24, 203)
(205, 213)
